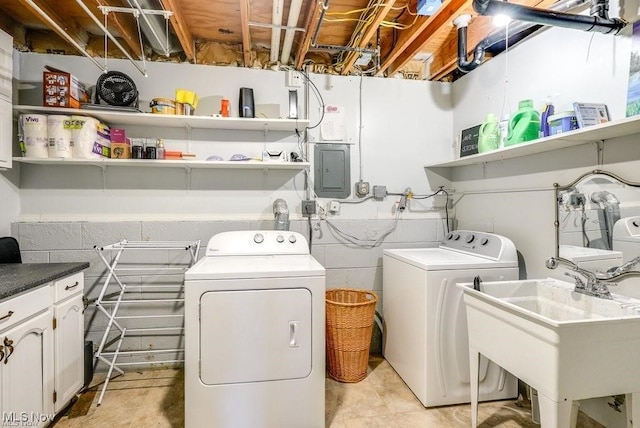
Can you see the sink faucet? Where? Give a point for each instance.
(626, 267)
(593, 286)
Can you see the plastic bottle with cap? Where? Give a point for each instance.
(503, 127)
(489, 135)
(160, 151)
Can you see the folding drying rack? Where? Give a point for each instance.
(109, 302)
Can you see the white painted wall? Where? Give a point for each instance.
(515, 197)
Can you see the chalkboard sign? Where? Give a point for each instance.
(469, 141)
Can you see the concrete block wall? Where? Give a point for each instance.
(347, 265)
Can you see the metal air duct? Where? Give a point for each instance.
(154, 25)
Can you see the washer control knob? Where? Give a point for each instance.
(456, 236)
(469, 238)
(449, 235)
(484, 241)
(280, 238)
(292, 239)
(258, 238)
(636, 223)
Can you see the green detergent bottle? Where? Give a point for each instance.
(489, 136)
(524, 125)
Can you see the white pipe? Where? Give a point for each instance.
(276, 19)
(64, 34)
(294, 13)
(108, 34)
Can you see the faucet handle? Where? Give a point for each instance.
(579, 281)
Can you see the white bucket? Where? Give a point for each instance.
(34, 127)
(59, 133)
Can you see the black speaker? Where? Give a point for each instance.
(247, 107)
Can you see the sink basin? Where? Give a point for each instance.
(568, 346)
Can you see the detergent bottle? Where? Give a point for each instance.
(524, 125)
(547, 111)
(489, 136)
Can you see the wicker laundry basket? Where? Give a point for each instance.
(349, 324)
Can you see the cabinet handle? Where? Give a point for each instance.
(8, 343)
(6, 316)
(69, 287)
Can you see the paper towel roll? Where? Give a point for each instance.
(59, 134)
(34, 127)
(90, 138)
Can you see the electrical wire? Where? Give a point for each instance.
(361, 242)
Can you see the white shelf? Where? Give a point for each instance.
(615, 129)
(253, 164)
(114, 118)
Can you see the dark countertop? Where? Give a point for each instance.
(16, 278)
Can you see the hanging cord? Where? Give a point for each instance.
(505, 98)
(364, 242)
(360, 125)
(583, 222)
(137, 16)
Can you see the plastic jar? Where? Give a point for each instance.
(562, 122)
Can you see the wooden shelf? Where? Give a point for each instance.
(614, 129)
(114, 118)
(253, 164)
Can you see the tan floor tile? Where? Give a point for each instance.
(333, 422)
(354, 400)
(371, 422)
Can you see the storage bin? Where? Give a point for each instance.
(349, 324)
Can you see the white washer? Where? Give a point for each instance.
(254, 333)
(626, 237)
(426, 339)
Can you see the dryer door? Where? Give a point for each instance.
(255, 335)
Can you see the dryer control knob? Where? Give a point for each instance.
(258, 238)
(449, 235)
(636, 223)
(456, 236)
(470, 237)
(292, 239)
(280, 238)
(484, 241)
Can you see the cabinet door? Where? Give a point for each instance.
(6, 126)
(26, 373)
(69, 349)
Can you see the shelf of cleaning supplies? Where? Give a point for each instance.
(121, 119)
(606, 131)
(251, 164)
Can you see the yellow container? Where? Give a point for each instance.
(163, 106)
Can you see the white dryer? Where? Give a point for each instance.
(426, 339)
(254, 333)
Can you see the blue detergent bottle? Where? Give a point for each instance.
(547, 111)
(524, 125)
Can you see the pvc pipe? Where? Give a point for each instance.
(276, 19)
(294, 13)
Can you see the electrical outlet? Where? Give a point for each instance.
(334, 207)
(308, 208)
(294, 79)
(577, 200)
(362, 188)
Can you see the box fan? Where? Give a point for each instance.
(114, 91)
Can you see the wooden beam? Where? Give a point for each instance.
(246, 39)
(78, 34)
(311, 24)
(410, 43)
(381, 13)
(445, 59)
(181, 28)
(128, 32)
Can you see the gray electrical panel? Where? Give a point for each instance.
(332, 170)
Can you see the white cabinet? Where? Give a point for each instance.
(41, 351)
(6, 121)
(26, 371)
(68, 338)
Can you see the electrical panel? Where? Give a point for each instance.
(332, 173)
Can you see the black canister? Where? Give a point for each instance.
(136, 152)
(150, 152)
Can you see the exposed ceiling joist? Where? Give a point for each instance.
(246, 40)
(11, 26)
(411, 42)
(381, 13)
(311, 25)
(179, 24)
(126, 29)
(79, 35)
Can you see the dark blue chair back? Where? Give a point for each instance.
(9, 250)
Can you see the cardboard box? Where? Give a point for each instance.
(62, 89)
(120, 144)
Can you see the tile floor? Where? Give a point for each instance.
(154, 398)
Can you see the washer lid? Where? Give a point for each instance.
(442, 259)
(581, 254)
(265, 266)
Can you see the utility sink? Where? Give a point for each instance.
(568, 346)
